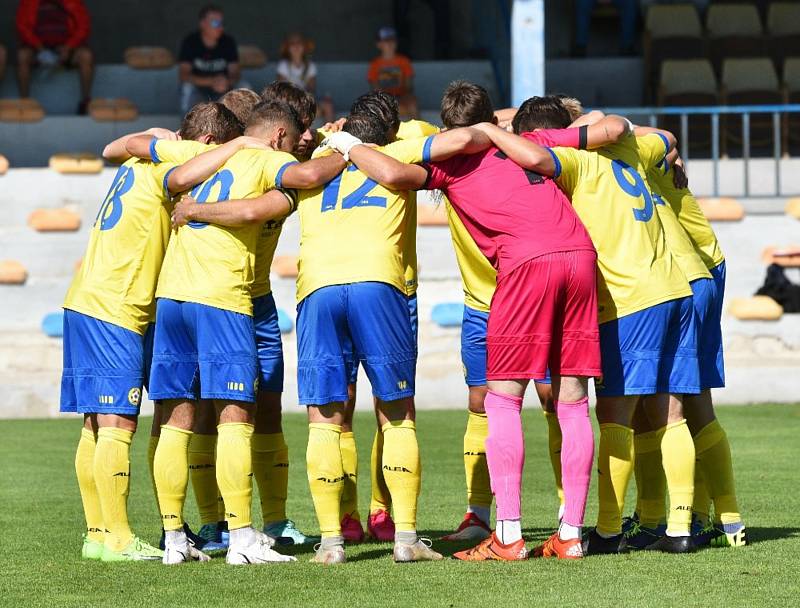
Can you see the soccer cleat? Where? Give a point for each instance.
(380, 526)
(472, 528)
(562, 549)
(333, 554)
(196, 540)
(212, 538)
(352, 530)
(594, 544)
(286, 533)
(419, 551)
(136, 551)
(641, 537)
(255, 548)
(92, 549)
(729, 539)
(673, 544)
(491, 549)
(629, 522)
(179, 549)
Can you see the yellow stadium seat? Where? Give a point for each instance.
(431, 215)
(285, 266)
(149, 57)
(80, 162)
(54, 220)
(757, 308)
(20, 110)
(3, 164)
(788, 257)
(12, 273)
(250, 56)
(722, 209)
(793, 207)
(113, 110)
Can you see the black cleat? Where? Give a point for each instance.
(673, 544)
(594, 544)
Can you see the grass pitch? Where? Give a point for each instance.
(42, 522)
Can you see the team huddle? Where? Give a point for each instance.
(583, 255)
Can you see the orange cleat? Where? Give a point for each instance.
(380, 526)
(352, 530)
(492, 549)
(562, 549)
(472, 528)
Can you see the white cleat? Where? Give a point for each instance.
(254, 547)
(419, 551)
(178, 549)
(329, 555)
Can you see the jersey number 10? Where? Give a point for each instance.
(201, 192)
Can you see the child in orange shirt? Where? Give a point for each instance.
(393, 73)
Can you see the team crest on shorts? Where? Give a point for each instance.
(134, 396)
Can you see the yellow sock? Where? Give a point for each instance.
(84, 469)
(714, 455)
(701, 507)
(271, 471)
(554, 449)
(326, 476)
(651, 485)
(235, 472)
(402, 471)
(171, 466)
(112, 470)
(614, 465)
(677, 454)
(152, 444)
(381, 498)
(203, 473)
(479, 492)
(347, 444)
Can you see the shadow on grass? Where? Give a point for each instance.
(762, 535)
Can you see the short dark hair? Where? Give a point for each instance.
(465, 104)
(210, 118)
(269, 113)
(297, 98)
(241, 102)
(368, 128)
(381, 105)
(541, 113)
(209, 8)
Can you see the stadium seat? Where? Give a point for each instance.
(54, 220)
(113, 110)
(757, 308)
(734, 30)
(431, 215)
(721, 209)
(793, 207)
(791, 94)
(24, 109)
(285, 322)
(149, 57)
(285, 266)
(3, 164)
(76, 162)
(745, 82)
(448, 314)
(788, 257)
(53, 324)
(688, 82)
(251, 57)
(12, 272)
(783, 30)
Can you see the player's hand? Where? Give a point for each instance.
(679, 178)
(342, 142)
(252, 143)
(181, 213)
(160, 133)
(335, 126)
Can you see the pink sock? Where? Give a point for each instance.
(505, 452)
(577, 457)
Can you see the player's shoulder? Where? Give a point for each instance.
(410, 129)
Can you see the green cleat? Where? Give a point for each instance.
(92, 549)
(136, 551)
(730, 539)
(286, 533)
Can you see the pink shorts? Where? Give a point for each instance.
(544, 315)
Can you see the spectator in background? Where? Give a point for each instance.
(3, 61)
(296, 67)
(209, 60)
(54, 33)
(393, 73)
(628, 14)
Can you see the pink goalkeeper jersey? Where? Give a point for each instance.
(511, 213)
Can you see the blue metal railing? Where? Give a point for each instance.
(778, 112)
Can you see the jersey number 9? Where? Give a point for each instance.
(636, 189)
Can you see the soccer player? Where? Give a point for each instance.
(647, 328)
(205, 339)
(108, 311)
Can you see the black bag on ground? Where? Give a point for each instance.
(778, 287)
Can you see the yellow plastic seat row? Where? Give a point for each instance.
(76, 162)
(161, 58)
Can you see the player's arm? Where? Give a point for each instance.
(588, 119)
(312, 173)
(271, 205)
(116, 151)
(139, 146)
(524, 152)
(388, 171)
(607, 130)
(670, 141)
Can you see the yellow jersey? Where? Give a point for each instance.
(478, 276)
(614, 202)
(692, 218)
(117, 279)
(354, 230)
(215, 265)
(678, 241)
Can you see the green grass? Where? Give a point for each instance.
(41, 523)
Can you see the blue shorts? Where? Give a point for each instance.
(368, 323)
(268, 344)
(202, 352)
(103, 367)
(473, 346)
(352, 360)
(651, 351)
(708, 295)
(149, 336)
